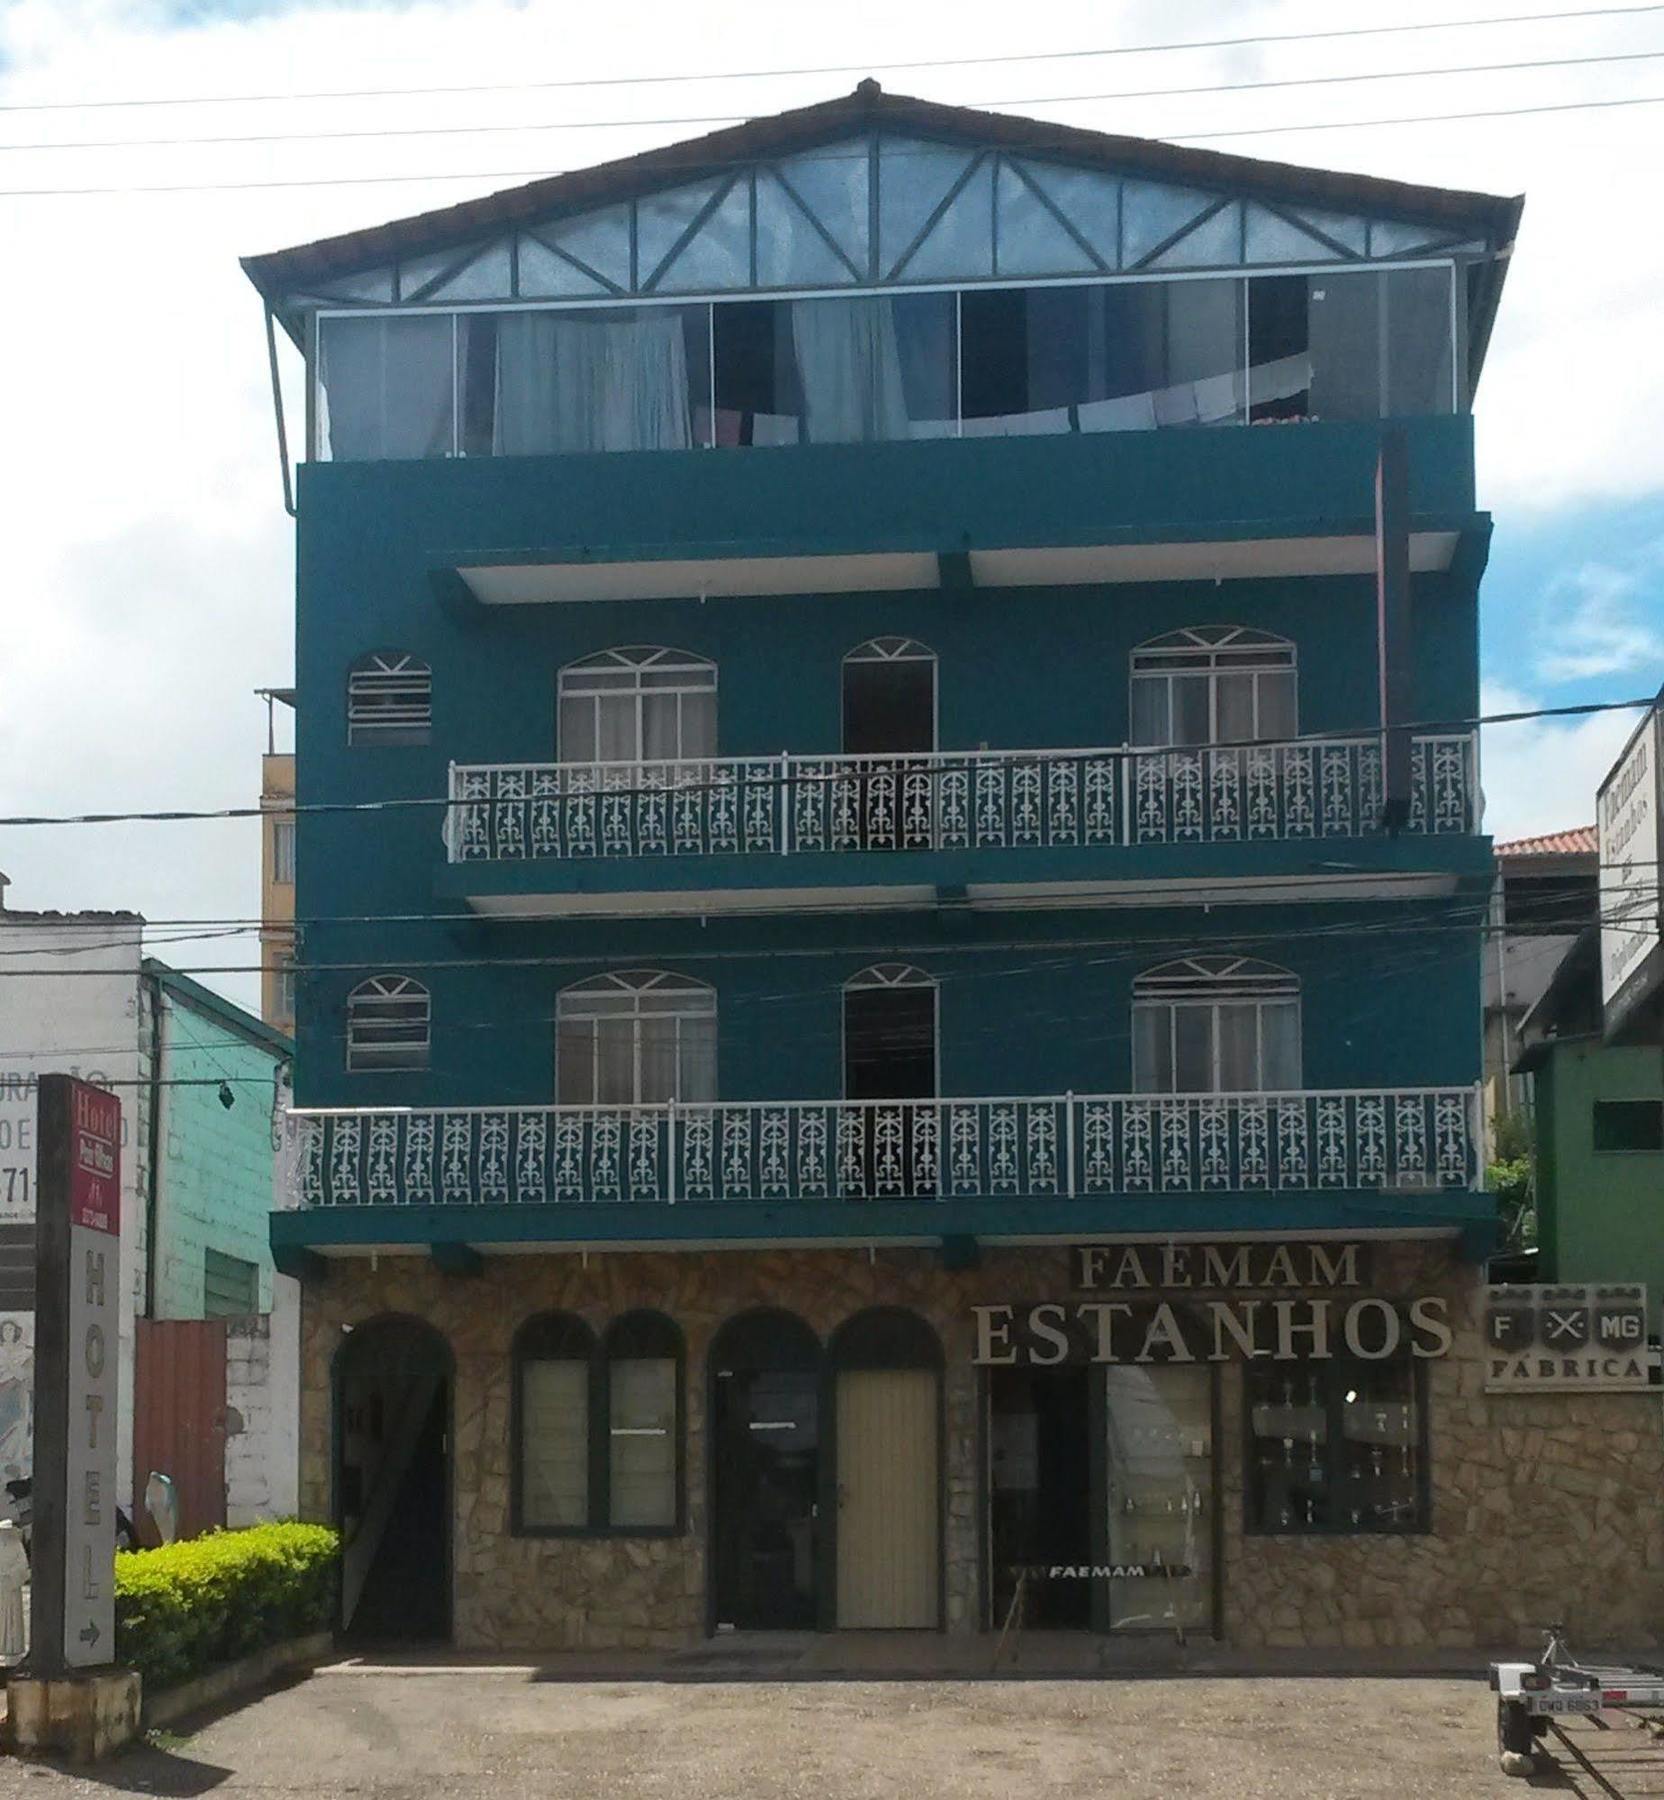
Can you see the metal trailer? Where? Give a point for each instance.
(1530, 1696)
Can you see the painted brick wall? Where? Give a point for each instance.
(262, 1406)
(216, 1162)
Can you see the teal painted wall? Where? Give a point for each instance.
(215, 1164)
(1600, 1214)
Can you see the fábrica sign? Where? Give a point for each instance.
(78, 1289)
(1546, 1339)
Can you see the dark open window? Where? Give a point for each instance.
(889, 699)
(1628, 1125)
(890, 1034)
(1336, 1447)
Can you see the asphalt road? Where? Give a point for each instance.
(506, 1733)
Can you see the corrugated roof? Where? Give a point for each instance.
(1581, 840)
(285, 271)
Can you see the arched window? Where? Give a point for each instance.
(636, 1038)
(890, 1033)
(389, 1020)
(885, 1337)
(1215, 1024)
(638, 704)
(554, 1358)
(643, 1352)
(598, 1426)
(889, 698)
(389, 699)
(1213, 684)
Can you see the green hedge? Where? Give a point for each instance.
(186, 1607)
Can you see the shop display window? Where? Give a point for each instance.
(1337, 1447)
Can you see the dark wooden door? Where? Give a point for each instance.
(179, 1420)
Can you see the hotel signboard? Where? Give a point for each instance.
(1581, 1338)
(1630, 833)
(78, 1289)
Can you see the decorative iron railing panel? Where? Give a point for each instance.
(1049, 1146)
(950, 800)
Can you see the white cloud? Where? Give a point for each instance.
(145, 563)
(1592, 622)
(1540, 775)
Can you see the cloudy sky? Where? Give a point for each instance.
(145, 558)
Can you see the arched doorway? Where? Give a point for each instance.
(765, 1371)
(393, 1481)
(887, 1444)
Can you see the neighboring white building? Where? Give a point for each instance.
(198, 1080)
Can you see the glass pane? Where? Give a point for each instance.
(577, 730)
(925, 329)
(1235, 694)
(1149, 710)
(614, 379)
(386, 390)
(659, 727)
(698, 725)
(615, 1056)
(1152, 1049)
(1192, 1049)
(1191, 721)
(575, 1062)
(615, 728)
(696, 1080)
(1280, 1044)
(848, 357)
(1345, 346)
(554, 1443)
(1204, 354)
(1278, 716)
(1289, 1480)
(1238, 1071)
(1279, 347)
(1418, 341)
(1160, 1493)
(1378, 1481)
(658, 1060)
(642, 1439)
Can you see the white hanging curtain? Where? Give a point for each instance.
(849, 368)
(575, 381)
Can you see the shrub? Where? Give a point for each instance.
(186, 1607)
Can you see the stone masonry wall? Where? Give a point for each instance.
(1542, 1506)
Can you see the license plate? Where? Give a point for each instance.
(1565, 1703)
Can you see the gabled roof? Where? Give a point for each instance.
(284, 272)
(1580, 840)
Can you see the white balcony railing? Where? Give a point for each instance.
(1061, 1145)
(950, 800)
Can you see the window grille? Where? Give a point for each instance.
(1216, 1024)
(1213, 684)
(637, 1038)
(389, 699)
(389, 1018)
(638, 704)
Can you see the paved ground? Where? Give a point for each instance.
(502, 1733)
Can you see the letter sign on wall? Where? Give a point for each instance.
(77, 1297)
(1541, 1339)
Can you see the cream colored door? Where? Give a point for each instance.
(888, 1508)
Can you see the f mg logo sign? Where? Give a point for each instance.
(1584, 1336)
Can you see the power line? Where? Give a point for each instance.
(176, 815)
(705, 165)
(422, 131)
(935, 62)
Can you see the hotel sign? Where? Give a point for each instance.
(1582, 1339)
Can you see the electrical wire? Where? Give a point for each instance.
(935, 62)
(709, 119)
(801, 776)
(700, 165)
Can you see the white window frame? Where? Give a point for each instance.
(1197, 650)
(1207, 983)
(688, 673)
(285, 995)
(894, 650)
(389, 699)
(620, 994)
(283, 850)
(379, 1012)
(891, 975)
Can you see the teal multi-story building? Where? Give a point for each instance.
(840, 758)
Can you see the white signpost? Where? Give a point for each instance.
(1631, 834)
(77, 1295)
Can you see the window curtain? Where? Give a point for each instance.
(849, 369)
(574, 382)
(386, 390)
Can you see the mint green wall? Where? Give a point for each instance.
(214, 1186)
(1600, 1216)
